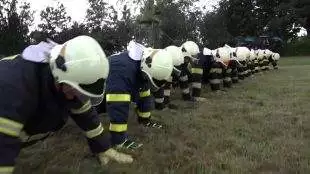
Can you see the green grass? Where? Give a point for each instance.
(262, 125)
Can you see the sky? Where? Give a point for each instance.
(77, 8)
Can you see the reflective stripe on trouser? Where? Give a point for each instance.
(227, 82)
(159, 99)
(184, 85)
(10, 127)
(216, 76)
(6, 169)
(234, 75)
(241, 73)
(118, 110)
(196, 80)
(167, 93)
(196, 89)
(275, 65)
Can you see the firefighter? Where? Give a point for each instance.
(46, 83)
(162, 96)
(216, 70)
(208, 60)
(274, 60)
(133, 75)
(233, 64)
(252, 62)
(191, 72)
(227, 68)
(256, 62)
(268, 59)
(242, 54)
(261, 57)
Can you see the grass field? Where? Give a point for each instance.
(262, 125)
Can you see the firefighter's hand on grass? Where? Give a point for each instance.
(200, 99)
(113, 155)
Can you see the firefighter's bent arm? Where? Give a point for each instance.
(87, 119)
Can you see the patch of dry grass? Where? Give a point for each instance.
(262, 125)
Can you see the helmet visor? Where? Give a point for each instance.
(94, 91)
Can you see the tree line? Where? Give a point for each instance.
(160, 23)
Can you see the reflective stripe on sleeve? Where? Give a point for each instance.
(118, 97)
(83, 109)
(145, 93)
(6, 169)
(197, 70)
(10, 57)
(95, 132)
(216, 70)
(10, 127)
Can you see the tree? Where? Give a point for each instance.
(302, 8)
(54, 20)
(100, 14)
(14, 26)
(214, 32)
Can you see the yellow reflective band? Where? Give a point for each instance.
(196, 85)
(118, 97)
(10, 127)
(95, 132)
(167, 92)
(159, 100)
(145, 93)
(183, 78)
(185, 91)
(216, 70)
(10, 57)
(6, 170)
(197, 71)
(83, 109)
(118, 127)
(144, 114)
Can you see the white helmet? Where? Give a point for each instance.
(190, 49)
(207, 52)
(252, 55)
(82, 64)
(223, 55)
(157, 66)
(177, 55)
(242, 53)
(275, 56)
(268, 53)
(261, 54)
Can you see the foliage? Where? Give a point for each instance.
(14, 26)
(299, 47)
(54, 20)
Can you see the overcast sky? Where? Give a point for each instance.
(77, 8)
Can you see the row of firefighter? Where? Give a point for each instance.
(47, 83)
